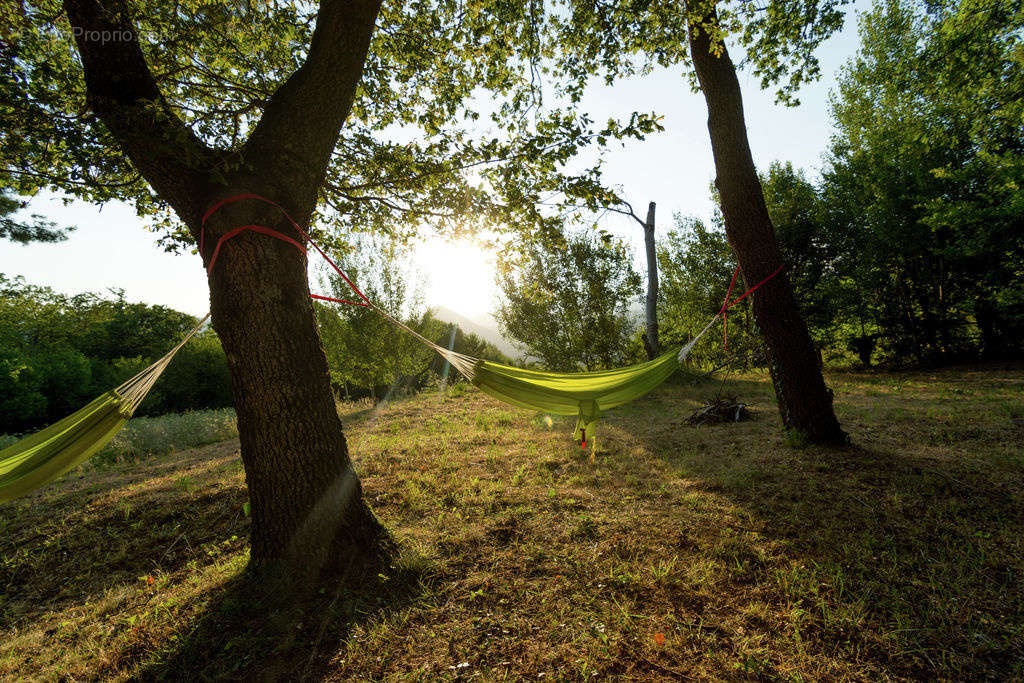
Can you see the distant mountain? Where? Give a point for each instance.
(484, 326)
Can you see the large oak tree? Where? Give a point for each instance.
(624, 39)
(348, 111)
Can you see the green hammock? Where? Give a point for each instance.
(42, 457)
(583, 394)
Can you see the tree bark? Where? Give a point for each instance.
(308, 514)
(804, 401)
(653, 346)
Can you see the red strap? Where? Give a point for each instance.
(255, 228)
(273, 233)
(583, 442)
(726, 305)
(337, 301)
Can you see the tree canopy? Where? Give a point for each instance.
(58, 352)
(445, 130)
(34, 229)
(570, 304)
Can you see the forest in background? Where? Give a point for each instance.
(905, 250)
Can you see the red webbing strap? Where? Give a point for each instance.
(337, 301)
(273, 233)
(726, 305)
(232, 233)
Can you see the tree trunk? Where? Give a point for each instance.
(307, 509)
(308, 513)
(804, 401)
(653, 347)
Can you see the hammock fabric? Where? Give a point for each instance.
(42, 457)
(584, 394)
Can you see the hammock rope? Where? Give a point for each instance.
(40, 458)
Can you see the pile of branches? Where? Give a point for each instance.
(720, 409)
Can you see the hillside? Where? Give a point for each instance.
(485, 327)
(675, 553)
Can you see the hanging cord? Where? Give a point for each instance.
(134, 390)
(726, 305)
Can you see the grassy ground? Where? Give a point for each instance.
(721, 552)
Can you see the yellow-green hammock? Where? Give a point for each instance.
(42, 457)
(583, 394)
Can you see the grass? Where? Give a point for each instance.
(146, 436)
(729, 551)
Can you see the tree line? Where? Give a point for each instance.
(58, 351)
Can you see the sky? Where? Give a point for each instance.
(111, 249)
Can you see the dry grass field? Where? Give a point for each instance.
(675, 552)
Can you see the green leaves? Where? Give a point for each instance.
(924, 176)
(415, 154)
(620, 40)
(568, 303)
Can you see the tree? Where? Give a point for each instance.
(651, 302)
(177, 106)
(568, 303)
(923, 176)
(650, 338)
(36, 230)
(363, 349)
(798, 212)
(780, 39)
(697, 263)
(60, 351)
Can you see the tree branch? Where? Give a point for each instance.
(121, 89)
(293, 141)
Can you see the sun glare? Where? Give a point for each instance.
(459, 275)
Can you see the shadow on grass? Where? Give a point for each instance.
(111, 525)
(254, 630)
(905, 559)
(112, 533)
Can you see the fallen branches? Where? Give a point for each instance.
(720, 409)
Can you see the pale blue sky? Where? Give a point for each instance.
(110, 248)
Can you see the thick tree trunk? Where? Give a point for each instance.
(306, 502)
(308, 513)
(652, 344)
(804, 401)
